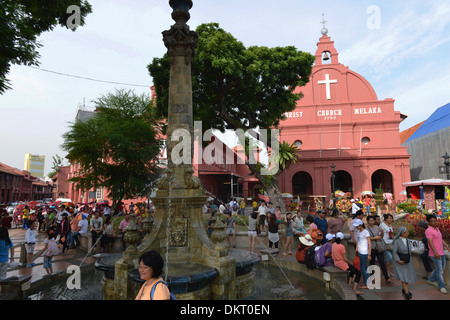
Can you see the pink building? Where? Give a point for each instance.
(341, 121)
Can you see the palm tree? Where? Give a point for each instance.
(288, 155)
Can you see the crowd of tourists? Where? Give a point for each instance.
(375, 244)
(63, 226)
(321, 240)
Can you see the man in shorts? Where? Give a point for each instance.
(30, 242)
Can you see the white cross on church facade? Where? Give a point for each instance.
(327, 82)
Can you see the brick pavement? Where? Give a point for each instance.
(60, 263)
(421, 290)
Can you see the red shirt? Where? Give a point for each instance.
(301, 253)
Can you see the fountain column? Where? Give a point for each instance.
(178, 231)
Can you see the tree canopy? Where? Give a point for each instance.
(23, 21)
(118, 147)
(235, 87)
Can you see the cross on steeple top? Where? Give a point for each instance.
(324, 29)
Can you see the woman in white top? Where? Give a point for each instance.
(363, 248)
(252, 230)
(388, 238)
(298, 225)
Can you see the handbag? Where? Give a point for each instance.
(405, 257)
(356, 261)
(379, 245)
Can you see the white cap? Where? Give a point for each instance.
(329, 236)
(353, 200)
(340, 235)
(357, 222)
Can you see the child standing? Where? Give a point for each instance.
(289, 234)
(50, 250)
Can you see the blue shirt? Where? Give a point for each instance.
(322, 225)
(4, 251)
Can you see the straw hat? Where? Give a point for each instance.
(307, 240)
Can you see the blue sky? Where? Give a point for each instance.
(403, 54)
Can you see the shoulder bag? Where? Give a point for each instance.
(379, 245)
(405, 257)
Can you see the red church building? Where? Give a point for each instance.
(341, 121)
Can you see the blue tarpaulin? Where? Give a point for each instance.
(440, 119)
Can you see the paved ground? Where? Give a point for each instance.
(421, 290)
(60, 263)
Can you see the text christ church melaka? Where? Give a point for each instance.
(340, 121)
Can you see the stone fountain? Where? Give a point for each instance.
(197, 266)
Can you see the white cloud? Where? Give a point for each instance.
(409, 35)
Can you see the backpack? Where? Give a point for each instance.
(309, 258)
(52, 248)
(172, 297)
(315, 234)
(319, 257)
(235, 206)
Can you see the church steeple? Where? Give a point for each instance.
(326, 53)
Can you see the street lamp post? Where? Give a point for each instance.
(446, 167)
(333, 177)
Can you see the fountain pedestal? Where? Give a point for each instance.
(178, 233)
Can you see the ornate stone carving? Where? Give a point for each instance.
(148, 224)
(181, 41)
(218, 234)
(163, 183)
(181, 10)
(178, 230)
(191, 181)
(131, 238)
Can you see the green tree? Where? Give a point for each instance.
(118, 147)
(22, 22)
(235, 87)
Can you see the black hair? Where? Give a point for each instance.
(51, 233)
(387, 215)
(337, 240)
(371, 217)
(310, 218)
(359, 212)
(255, 214)
(430, 216)
(153, 260)
(4, 235)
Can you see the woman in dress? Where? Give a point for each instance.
(388, 239)
(150, 269)
(274, 227)
(298, 225)
(336, 222)
(387, 200)
(404, 268)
